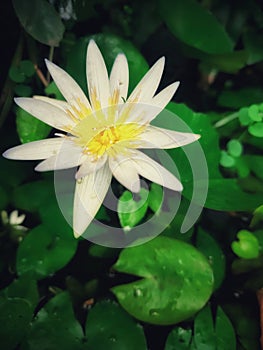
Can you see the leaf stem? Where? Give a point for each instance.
(226, 120)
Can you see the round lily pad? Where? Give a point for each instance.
(175, 281)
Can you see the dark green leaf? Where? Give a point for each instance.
(42, 252)
(176, 281)
(55, 327)
(40, 20)
(191, 22)
(225, 334)
(3, 198)
(226, 195)
(255, 164)
(30, 128)
(211, 249)
(204, 334)
(15, 317)
(24, 196)
(110, 327)
(27, 67)
(23, 90)
(240, 98)
(253, 42)
(178, 338)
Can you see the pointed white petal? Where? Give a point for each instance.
(125, 172)
(163, 97)
(45, 112)
(89, 166)
(89, 194)
(57, 103)
(97, 77)
(35, 150)
(67, 85)
(154, 137)
(148, 85)
(70, 155)
(119, 78)
(154, 172)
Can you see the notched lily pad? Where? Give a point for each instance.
(176, 281)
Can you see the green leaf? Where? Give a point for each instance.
(244, 117)
(178, 338)
(55, 327)
(42, 252)
(110, 45)
(190, 22)
(204, 334)
(255, 164)
(226, 160)
(225, 334)
(211, 249)
(3, 198)
(226, 195)
(227, 62)
(27, 67)
(247, 246)
(24, 287)
(15, 317)
(30, 128)
(176, 281)
(23, 90)
(24, 196)
(199, 123)
(235, 148)
(253, 42)
(110, 327)
(256, 129)
(16, 74)
(155, 199)
(53, 90)
(253, 112)
(40, 20)
(257, 216)
(132, 211)
(240, 98)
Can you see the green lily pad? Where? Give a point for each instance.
(178, 338)
(256, 129)
(15, 317)
(235, 148)
(109, 327)
(55, 326)
(176, 281)
(42, 252)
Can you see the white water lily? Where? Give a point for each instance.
(103, 134)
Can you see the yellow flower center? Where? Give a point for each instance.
(114, 139)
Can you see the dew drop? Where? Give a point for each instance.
(138, 292)
(113, 339)
(154, 312)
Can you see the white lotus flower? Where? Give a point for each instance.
(103, 135)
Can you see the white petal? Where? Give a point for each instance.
(35, 150)
(69, 156)
(154, 137)
(57, 103)
(89, 194)
(89, 166)
(119, 78)
(148, 85)
(125, 172)
(45, 112)
(67, 85)
(165, 96)
(97, 77)
(154, 172)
